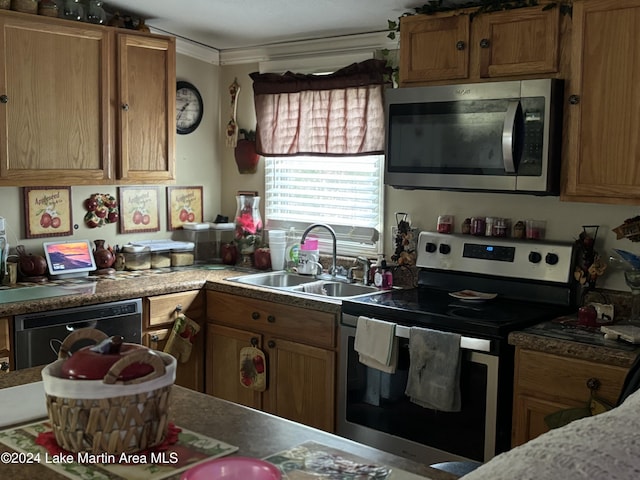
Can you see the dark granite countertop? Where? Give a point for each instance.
(145, 283)
(563, 337)
(257, 434)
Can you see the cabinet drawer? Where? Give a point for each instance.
(161, 310)
(557, 377)
(299, 324)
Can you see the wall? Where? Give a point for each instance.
(564, 219)
(197, 163)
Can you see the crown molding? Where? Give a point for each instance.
(304, 48)
(346, 44)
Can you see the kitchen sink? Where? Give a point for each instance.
(304, 284)
(343, 290)
(279, 279)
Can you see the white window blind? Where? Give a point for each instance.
(344, 192)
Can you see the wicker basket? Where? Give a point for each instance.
(109, 416)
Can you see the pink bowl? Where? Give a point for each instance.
(233, 468)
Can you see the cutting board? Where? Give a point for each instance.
(22, 404)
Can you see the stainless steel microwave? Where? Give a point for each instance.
(499, 136)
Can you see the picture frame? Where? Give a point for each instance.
(184, 204)
(139, 209)
(47, 212)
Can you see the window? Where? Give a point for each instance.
(344, 192)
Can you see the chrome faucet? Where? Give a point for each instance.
(333, 270)
(366, 268)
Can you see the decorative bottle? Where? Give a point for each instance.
(103, 257)
(248, 232)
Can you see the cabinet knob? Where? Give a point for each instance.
(574, 99)
(254, 341)
(484, 43)
(125, 107)
(271, 319)
(271, 344)
(154, 338)
(4, 99)
(178, 308)
(4, 367)
(460, 45)
(255, 315)
(593, 384)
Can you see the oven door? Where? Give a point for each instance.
(373, 409)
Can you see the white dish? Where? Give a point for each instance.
(473, 296)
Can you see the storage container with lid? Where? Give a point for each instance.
(136, 257)
(169, 253)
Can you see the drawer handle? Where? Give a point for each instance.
(254, 341)
(593, 384)
(178, 308)
(255, 315)
(271, 344)
(271, 319)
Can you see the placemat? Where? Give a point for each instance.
(311, 460)
(190, 449)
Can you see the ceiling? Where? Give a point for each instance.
(236, 24)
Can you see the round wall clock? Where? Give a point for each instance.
(189, 108)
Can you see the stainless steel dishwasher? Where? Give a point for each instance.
(37, 336)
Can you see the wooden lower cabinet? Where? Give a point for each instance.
(159, 313)
(300, 376)
(5, 345)
(545, 383)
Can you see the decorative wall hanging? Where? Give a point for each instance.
(102, 208)
(47, 211)
(245, 152)
(232, 126)
(184, 204)
(630, 229)
(139, 209)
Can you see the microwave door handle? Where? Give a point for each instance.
(508, 134)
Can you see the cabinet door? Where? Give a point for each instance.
(5, 344)
(603, 155)
(517, 42)
(54, 122)
(147, 93)
(301, 383)
(223, 364)
(433, 48)
(529, 414)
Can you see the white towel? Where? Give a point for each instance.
(376, 344)
(434, 369)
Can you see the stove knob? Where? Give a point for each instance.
(535, 257)
(445, 249)
(551, 258)
(430, 247)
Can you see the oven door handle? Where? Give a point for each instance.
(466, 343)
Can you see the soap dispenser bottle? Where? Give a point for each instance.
(383, 278)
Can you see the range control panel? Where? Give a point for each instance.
(528, 259)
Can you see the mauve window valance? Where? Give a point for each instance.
(337, 114)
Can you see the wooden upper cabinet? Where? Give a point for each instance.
(147, 93)
(517, 42)
(452, 46)
(602, 159)
(84, 104)
(433, 48)
(55, 105)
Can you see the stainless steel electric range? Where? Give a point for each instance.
(532, 281)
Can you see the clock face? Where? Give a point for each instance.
(189, 108)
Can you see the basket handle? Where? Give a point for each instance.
(80, 334)
(139, 356)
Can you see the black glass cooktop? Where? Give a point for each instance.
(434, 308)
